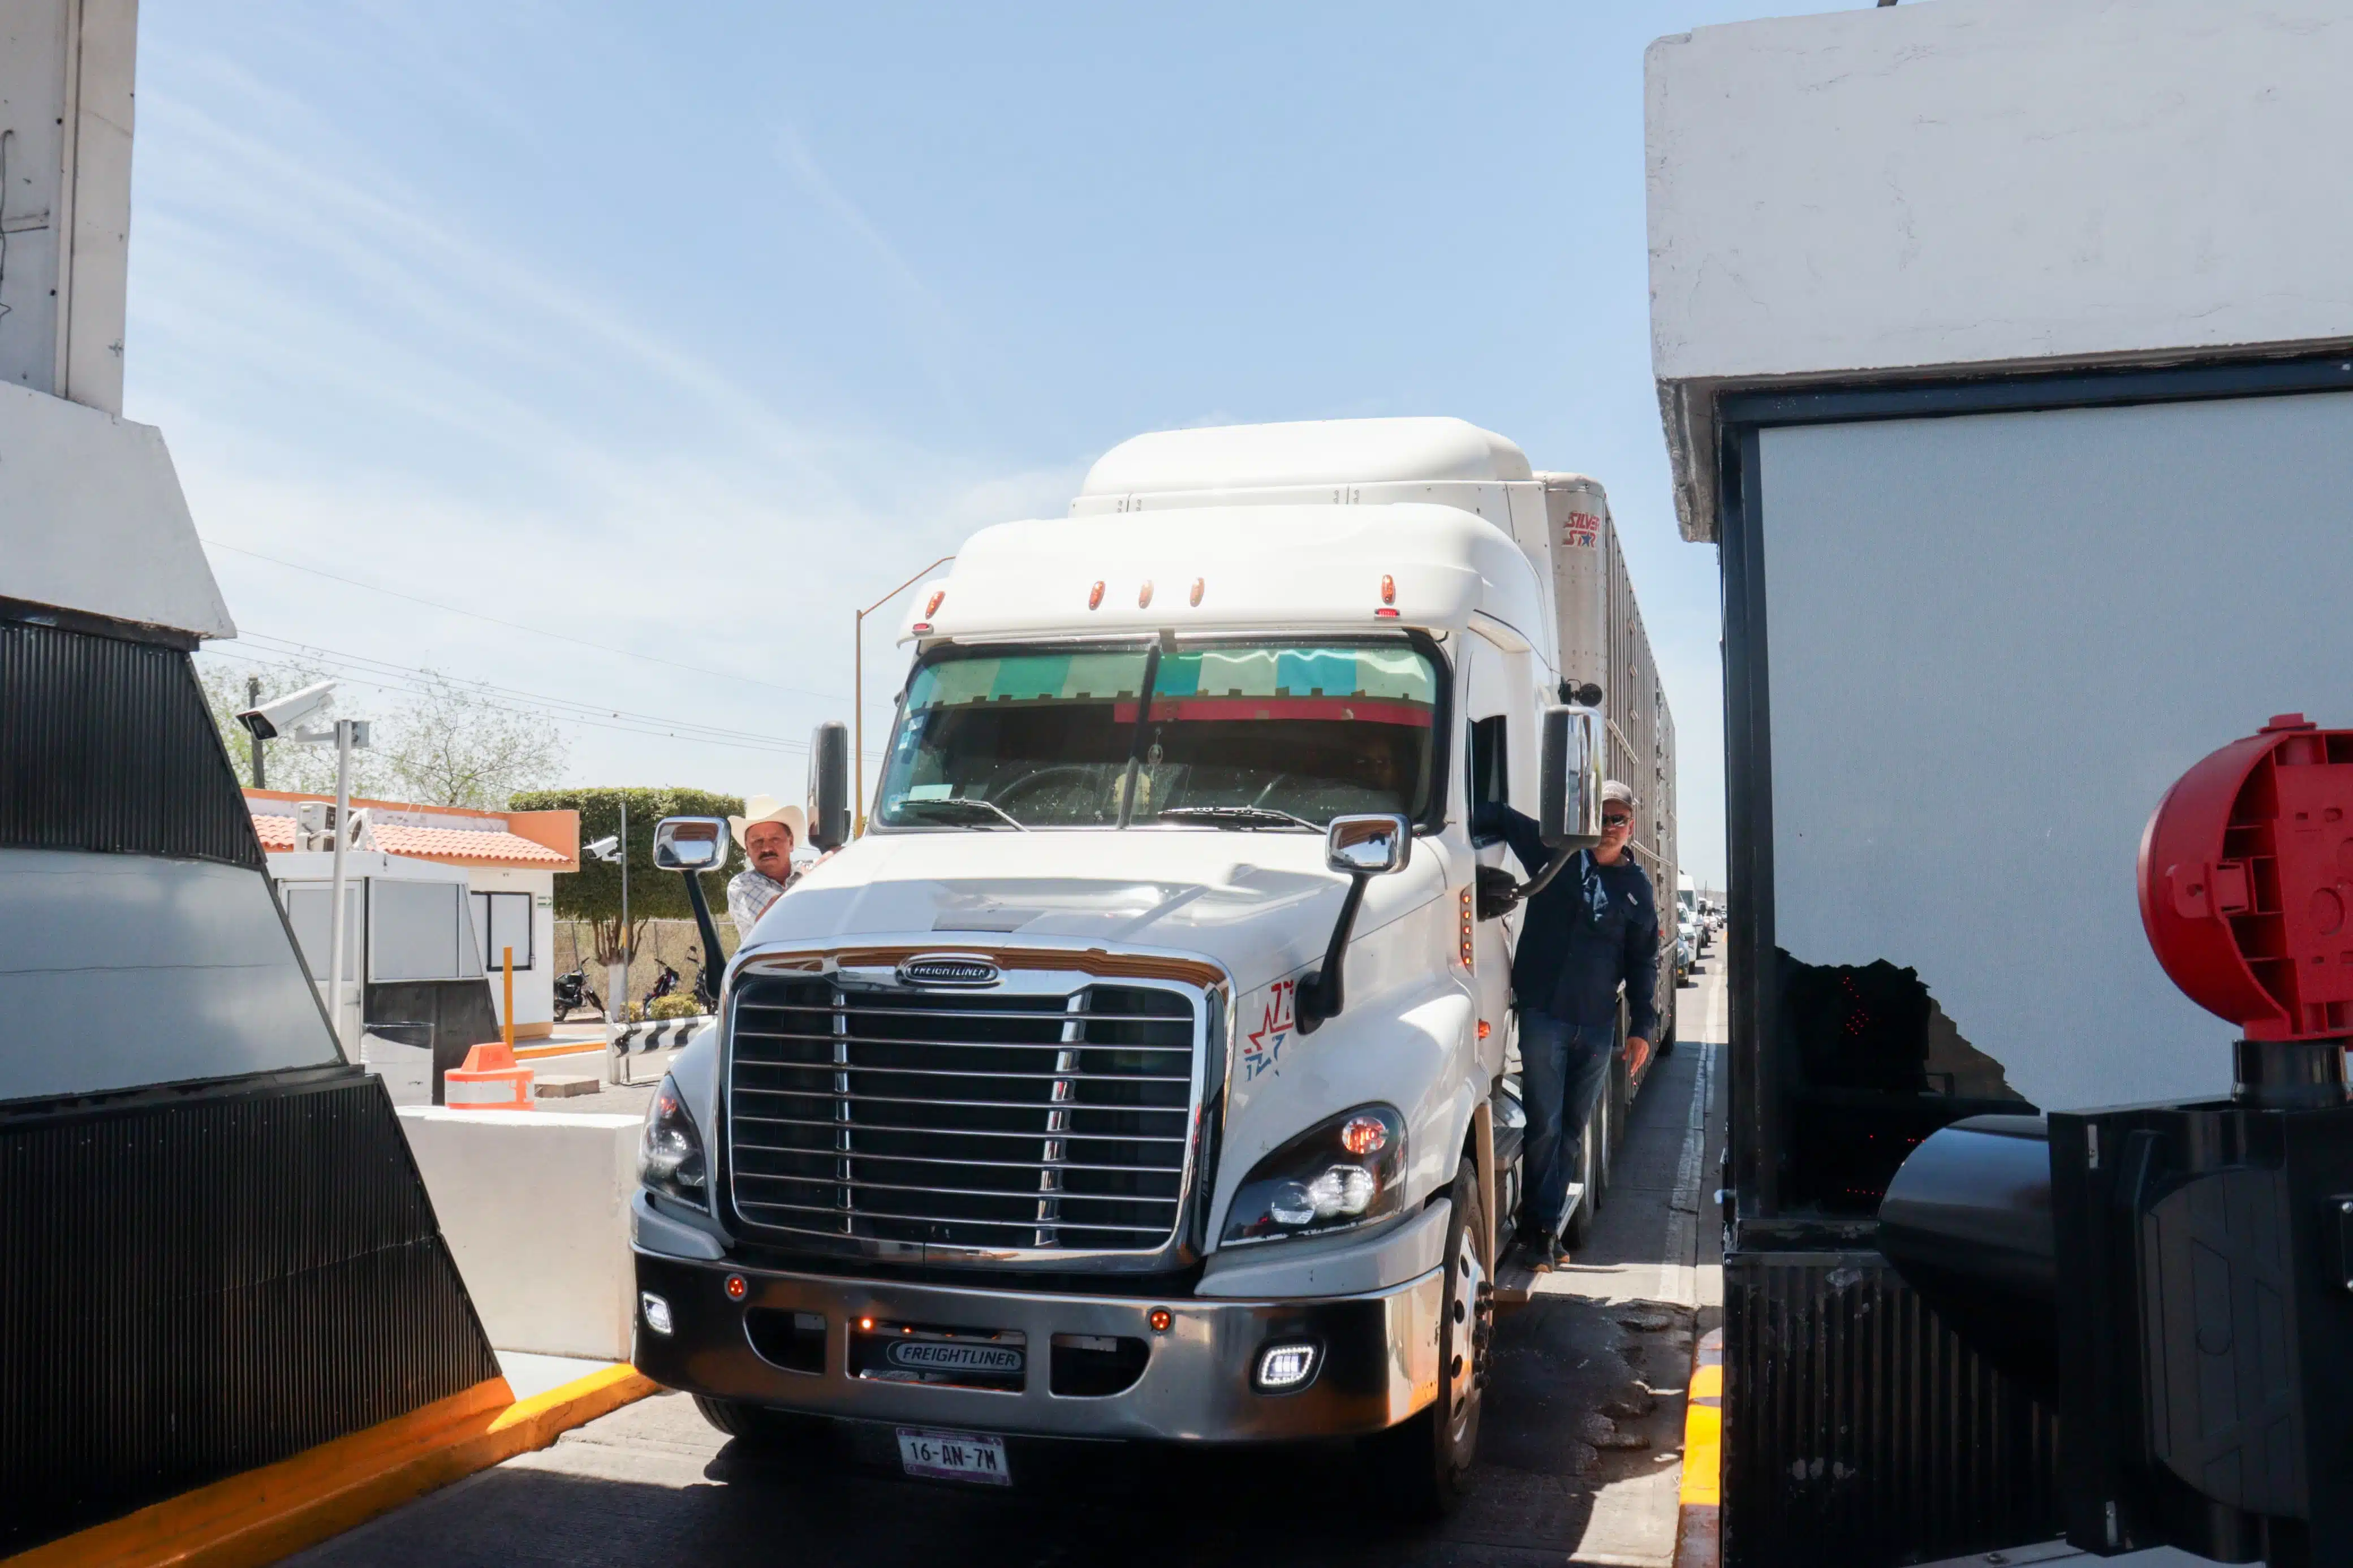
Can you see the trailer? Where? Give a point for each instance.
(2001, 352)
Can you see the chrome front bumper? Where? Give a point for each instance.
(1379, 1362)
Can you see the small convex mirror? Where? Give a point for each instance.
(1568, 792)
(689, 843)
(1367, 845)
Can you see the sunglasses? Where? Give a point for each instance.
(1620, 820)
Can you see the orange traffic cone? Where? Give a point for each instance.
(492, 1079)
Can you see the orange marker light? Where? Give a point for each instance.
(1161, 1319)
(1389, 589)
(867, 1324)
(736, 1288)
(1485, 1028)
(1144, 599)
(1198, 583)
(1364, 1135)
(1094, 597)
(934, 608)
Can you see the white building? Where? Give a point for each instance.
(511, 859)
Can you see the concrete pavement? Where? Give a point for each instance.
(1579, 1452)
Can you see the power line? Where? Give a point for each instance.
(518, 625)
(377, 680)
(571, 707)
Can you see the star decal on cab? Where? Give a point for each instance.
(1262, 1047)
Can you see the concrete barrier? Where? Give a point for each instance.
(537, 1210)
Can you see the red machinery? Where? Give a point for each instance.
(2246, 883)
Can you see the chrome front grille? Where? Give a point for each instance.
(961, 1119)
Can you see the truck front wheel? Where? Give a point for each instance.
(1425, 1464)
(757, 1425)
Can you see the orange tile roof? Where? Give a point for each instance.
(446, 843)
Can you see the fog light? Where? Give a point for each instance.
(1283, 1368)
(656, 1312)
(736, 1288)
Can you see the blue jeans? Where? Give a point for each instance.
(1563, 1067)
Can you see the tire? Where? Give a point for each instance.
(755, 1424)
(1423, 1466)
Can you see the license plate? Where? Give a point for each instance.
(954, 1455)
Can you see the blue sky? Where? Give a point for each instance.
(682, 333)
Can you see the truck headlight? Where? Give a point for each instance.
(1342, 1172)
(669, 1154)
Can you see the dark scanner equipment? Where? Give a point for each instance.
(2179, 1276)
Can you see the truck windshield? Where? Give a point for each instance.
(1276, 735)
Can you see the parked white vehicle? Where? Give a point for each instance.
(1143, 1072)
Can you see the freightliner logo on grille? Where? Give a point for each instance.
(948, 970)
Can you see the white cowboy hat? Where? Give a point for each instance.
(766, 808)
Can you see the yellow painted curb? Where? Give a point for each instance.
(263, 1515)
(1699, 1539)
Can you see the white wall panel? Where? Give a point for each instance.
(1995, 642)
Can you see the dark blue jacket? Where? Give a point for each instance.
(1592, 927)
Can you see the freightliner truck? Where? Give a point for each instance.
(1145, 1070)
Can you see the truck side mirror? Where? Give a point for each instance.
(829, 785)
(693, 845)
(1360, 848)
(690, 844)
(1367, 845)
(1568, 798)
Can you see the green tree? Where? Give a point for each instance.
(593, 893)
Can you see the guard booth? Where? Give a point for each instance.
(416, 993)
(2003, 356)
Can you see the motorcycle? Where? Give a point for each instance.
(573, 993)
(664, 983)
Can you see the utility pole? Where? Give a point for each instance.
(857, 695)
(253, 699)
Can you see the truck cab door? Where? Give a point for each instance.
(1492, 739)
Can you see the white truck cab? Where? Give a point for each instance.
(1143, 1071)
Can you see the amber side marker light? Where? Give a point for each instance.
(1094, 597)
(1198, 584)
(1364, 1135)
(1485, 1028)
(1161, 1319)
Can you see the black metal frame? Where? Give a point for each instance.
(1759, 1097)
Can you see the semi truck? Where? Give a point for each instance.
(1145, 1071)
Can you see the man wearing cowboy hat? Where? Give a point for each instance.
(768, 832)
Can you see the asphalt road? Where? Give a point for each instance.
(1578, 1460)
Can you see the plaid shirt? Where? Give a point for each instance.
(749, 893)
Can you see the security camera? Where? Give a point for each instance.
(606, 848)
(282, 714)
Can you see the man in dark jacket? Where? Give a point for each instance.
(1593, 927)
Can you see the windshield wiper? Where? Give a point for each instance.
(965, 805)
(1238, 816)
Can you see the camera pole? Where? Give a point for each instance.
(335, 907)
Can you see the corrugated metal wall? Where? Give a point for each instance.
(1859, 1431)
(107, 744)
(192, 1287)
